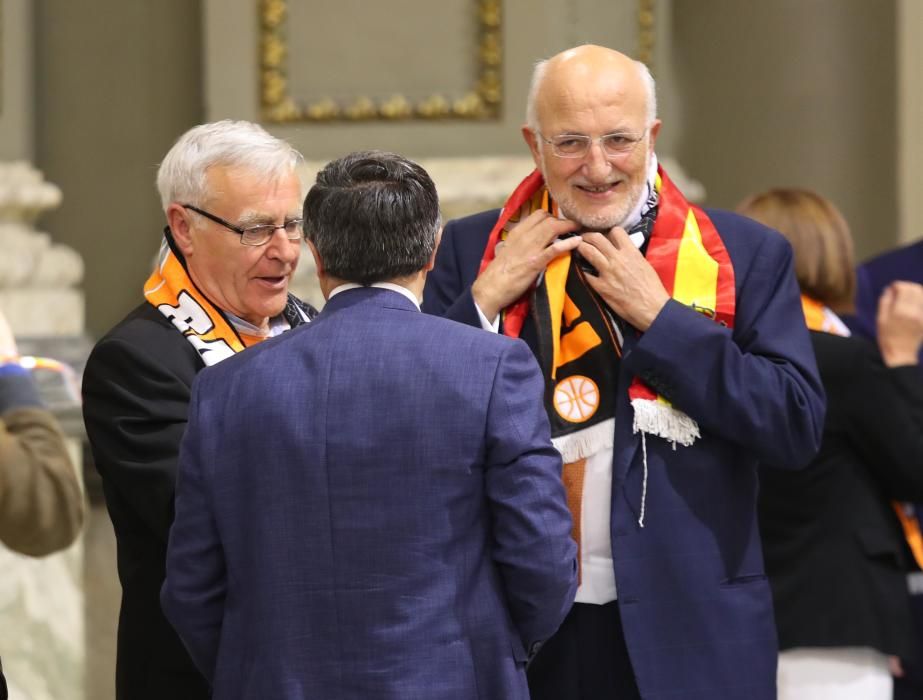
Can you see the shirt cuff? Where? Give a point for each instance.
(493, 326)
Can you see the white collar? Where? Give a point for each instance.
(277, 326)
(380, 285)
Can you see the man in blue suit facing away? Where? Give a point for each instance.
(371, 508)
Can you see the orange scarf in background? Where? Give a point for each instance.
(820, 318)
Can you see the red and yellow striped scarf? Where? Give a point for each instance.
(686, 252)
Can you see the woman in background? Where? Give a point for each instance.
(832, 536)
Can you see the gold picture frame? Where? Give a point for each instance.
(481, 102)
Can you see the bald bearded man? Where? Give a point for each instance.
(676, 359)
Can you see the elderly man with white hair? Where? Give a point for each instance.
(232, 201)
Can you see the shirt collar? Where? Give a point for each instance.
(380, 285)
(277, 326)
(646, 200)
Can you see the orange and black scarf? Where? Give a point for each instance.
(820, 318)
(170, 290)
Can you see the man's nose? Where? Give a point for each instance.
(280, 247)
(596, 163)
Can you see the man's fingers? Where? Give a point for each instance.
(619, 237)
(593, 255)
(543, 228)
(559, 247)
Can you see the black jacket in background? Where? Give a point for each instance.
(833, 546)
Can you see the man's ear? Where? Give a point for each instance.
(432, 258)
(655, 130)
(318, 263)
(178, 220)
(531, 140)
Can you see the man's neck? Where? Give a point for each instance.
(412, 283)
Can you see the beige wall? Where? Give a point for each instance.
(910, 119)
(16, 72)
(116, 85)
(792, 92)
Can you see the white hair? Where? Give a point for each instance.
(538, 76)
(182, 174)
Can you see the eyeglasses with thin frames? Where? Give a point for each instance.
(255, 235)
(578, 145)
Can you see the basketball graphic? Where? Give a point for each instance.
(576, 398)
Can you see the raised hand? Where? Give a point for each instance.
(625, 281)
(900, 323)
(519, 260)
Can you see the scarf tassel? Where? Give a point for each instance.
(655, 418)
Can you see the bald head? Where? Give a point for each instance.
(598, 98)
(582, 69)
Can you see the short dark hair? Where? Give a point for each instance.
(372, 216)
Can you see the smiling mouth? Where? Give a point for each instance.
(598, 189)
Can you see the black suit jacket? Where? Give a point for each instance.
(833, 547)
(136, 391)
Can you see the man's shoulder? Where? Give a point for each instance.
(482, 222)
(743, 236)
(905, 262)
(732, 223)
(467, 341)
(142, 322)
(145, 331)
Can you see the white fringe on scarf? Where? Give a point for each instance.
(655, 418)
(584, 443)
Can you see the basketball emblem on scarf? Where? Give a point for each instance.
(576, 398)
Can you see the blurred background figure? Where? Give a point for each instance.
(41, 502)
(872, 278)
(833, 542)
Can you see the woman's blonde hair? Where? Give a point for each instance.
(820, 237)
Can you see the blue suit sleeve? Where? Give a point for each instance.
(194, 593)
(448, 286)
(532, 544)
(758, 385)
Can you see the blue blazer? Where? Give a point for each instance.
(369, 507)
(695, 603)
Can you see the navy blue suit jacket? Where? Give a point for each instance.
(695, 603)
(369, 507)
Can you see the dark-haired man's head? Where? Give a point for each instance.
(372, 217)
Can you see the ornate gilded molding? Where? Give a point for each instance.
(646, 21)
(482, 101)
